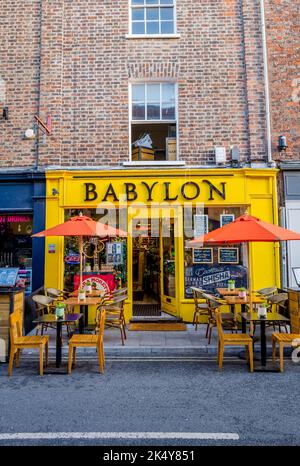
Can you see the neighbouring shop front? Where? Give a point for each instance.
(22, 212)
(161, 210)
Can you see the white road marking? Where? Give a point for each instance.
(119, 435)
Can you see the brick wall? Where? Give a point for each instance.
(283, 35)
(86, 63)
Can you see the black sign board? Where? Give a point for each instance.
(203, 256)
(228, 255)
(8, 276)
(226, 218)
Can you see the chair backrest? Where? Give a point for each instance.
(218, 318)
(271, 290)
(15, 326)
(54, 293)
(278, 298)
(294, 320)
(119, 291)
(43, 300)
(100, 326)
(197, 295)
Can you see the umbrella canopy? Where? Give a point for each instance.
(81, 226)
(246, 229)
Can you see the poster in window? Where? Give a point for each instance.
(8, 276)
(225, 219)
(228, 255)
(203, 256)
(200, 225)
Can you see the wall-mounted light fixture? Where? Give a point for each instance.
(282, 144)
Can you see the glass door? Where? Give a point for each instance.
(168, 265)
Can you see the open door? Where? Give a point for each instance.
(168, 265)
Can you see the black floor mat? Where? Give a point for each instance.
(143, 310)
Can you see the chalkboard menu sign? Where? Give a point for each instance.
(228, 255)
(8, 276)
(203, 256)
(226, 218)
(200, 225)
(209, 277)
(114, 253)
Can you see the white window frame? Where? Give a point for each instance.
(145, 122)
(145, 35)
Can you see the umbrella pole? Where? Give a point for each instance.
(250, 287)
(81, 254)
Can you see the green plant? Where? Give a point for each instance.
(60, 305)
(80, 290)
(242, 289)
(88, 283)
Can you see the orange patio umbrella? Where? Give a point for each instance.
(81, 226)
(246, 229)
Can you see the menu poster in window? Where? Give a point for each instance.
(209, 277)
(226, 218)
(8, 276)
(200, 225)
(114, 253)
(203, 256)
(228, 255)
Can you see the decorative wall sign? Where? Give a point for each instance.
(203, 256)
(114, 253)
(8, 276)
(200, 225)
(226, 218)
(228, 255)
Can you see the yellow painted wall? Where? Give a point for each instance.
(253, 188)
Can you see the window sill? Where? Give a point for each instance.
(150, 163)
(152, 36)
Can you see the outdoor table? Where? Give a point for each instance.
(84, 305)
(271, 317)
(53, 320)
(92, 294)
(225, 292)
(232, 301)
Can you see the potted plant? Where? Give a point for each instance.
(94, 285)
(262, 310)
(231, 285)
(88, 286)
(60, 310)
(87, 267)
(81, 294)
(242, 293)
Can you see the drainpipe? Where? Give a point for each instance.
(270, 162)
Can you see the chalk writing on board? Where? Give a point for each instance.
(228, 255)
(226, 218)
(203, 256)
(200, 225)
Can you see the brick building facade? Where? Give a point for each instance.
(74, 60)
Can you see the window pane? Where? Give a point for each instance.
(168, 92)
(167, 2)
(153, 92)
(152, 13)
(138, 14)
(153, 28)
(138, 28)
(138, 111)
(167, 27)
(152, 2)
(138, 93)
(166, 13)
(168, 111)
(137, 2)
(153, 111)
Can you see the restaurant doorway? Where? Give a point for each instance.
(154, 269)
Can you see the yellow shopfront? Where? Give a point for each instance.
(161, 210)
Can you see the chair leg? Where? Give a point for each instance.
(74, 356)
(221, 356)
(47, 353)
(122, 336)
(250, 351)
(70, 359)
(207, 327)
(41, 361)
(100, 359)
(18, 358)
(273, 349)
(103, 356)
(209, 335)
(11, 361)
(124, 332)
(281, 357)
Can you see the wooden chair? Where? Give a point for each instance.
(115, 314)
(19, 342)
(57, 294)
(44, 305)
(89, 341)
(201, 309)
(225, 339)
(279, 302)
(286, 339)
(269, 291)
(214, 304)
